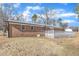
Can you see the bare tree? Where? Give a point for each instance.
(77, 12)
(3, 17)
(5, 14)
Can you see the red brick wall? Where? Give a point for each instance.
(16, 32)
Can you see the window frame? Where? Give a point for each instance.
(22, 28)
(32, 28)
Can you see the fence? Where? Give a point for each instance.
(58, 34)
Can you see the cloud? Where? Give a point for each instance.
(27, 12)
(61, 13)
(68, 21)
(16, 5)
(65, 15)
(76, 16)
(34, 8)
(68, 14)
(58, 11)
(55, 13)
(37, 8)
(28, 9)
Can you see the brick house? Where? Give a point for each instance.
(17, 29)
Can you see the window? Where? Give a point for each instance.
(32, 28)
(43, 29)
(22, 28)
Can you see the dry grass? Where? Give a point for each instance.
(39, 46)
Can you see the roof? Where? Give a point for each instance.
(31, 24)
(25, 23)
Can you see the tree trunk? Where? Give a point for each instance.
(4, 29)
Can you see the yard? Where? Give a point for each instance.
(35, 46)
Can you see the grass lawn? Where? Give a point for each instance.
(26, 46)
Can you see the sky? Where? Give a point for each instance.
(66, 11)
